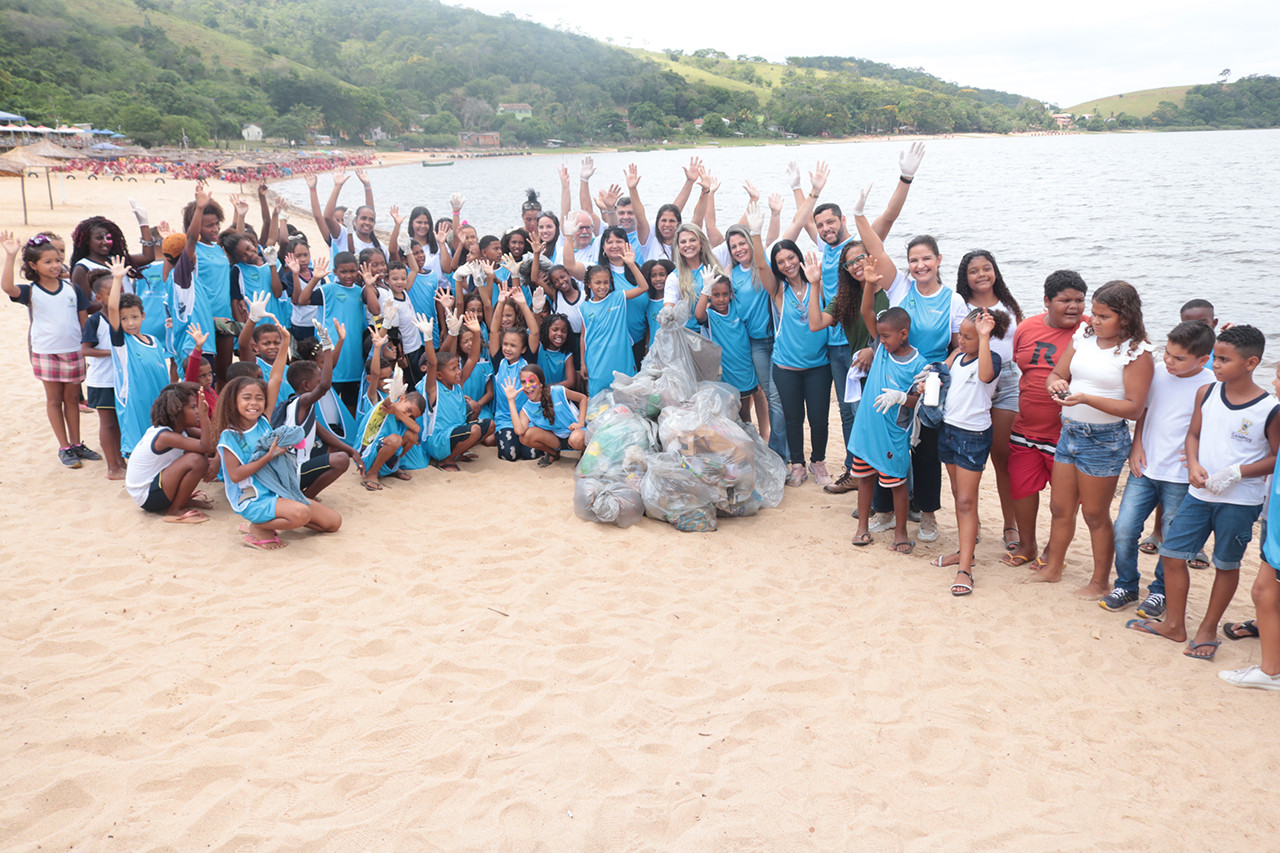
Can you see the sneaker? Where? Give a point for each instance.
(1250, 676)
(85, 453)
(820, 475)
(846, 482)
(1153, 607)
(68, 457)
(880, 522)
(1118, 599)
(914, 515)
(796, 475)
(928, 531)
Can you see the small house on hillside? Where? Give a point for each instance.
(251, 133)
(484, 139)
(519, 111)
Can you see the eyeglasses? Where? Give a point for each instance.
(853, 263)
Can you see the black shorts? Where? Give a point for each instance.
(462, 432)
(511, 448)
(313, 468)
(103, 399)
(157, 501)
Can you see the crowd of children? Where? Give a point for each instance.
(409, 356)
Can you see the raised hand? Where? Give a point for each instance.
(340, 176)
(812, 269)
(709, 183)
(628, 253)
(197, 336)
(424, 324)
(755, 218)
(258, 307)
(472, 321)
(203, 196)
(587, 169)
(397, 387)
(818, 177)
(539, 304)
(753, 194)
(511, 388)
(378, 338)
(395, 215)
(341, 330)
(321, 268)
(793, 175)
(909, 160)
(487, 269)
(612, 195)
(9, 243)
(270, 253)
(326, 342)
(632, 176)
(362, 177)
(456, 201)
(862, 201)
(139, 213)
(241, 206)
(515, 294)
(310, 178)
(512, 265)
(693, 170)
(119, 268)
(563, 171)
(389, 309)
(535, 244)
(452, 324)
(443, 227)
(984, 323)
(445, 298)
(871, 276)
(366, 273)
(292, 265)
(262, 189)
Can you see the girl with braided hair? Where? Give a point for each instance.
(97, 239)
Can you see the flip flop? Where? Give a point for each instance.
(1014, 560)
(903, 547)
(1015, 544)
(1145, 626)
(371, 485)
(964, 588)
(548, 460)
(468, 457)
(1150, 545)
(1240, 630)
(272, 544)
(1199, 561)
(191, 516)
(863, 539)
(937, 562)
(1190, 650)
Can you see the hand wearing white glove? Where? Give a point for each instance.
(909, 160)
(793, 174)
(456, 201)
(453, 324)
(587, 170)
(326, 342)
(1220, 481)
(539, 301)
(389, 310)
(258, 307)
(862, 201)
(270, 254)
(140, 213)
(889, 397)
(755, 219)
(424, 324)
(397, 387)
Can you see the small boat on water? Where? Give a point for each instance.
(426, 164)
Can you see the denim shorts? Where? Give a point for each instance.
(1006, 395)
(1230, 524)
(1097, 450)
(965, 448)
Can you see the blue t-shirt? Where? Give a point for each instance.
(212, 278)
(505, 371)
(344, 304)
(141, 373)
(476, 386)
(729, 331)
(254, 281)
(930, 321)
(154, 290)
(241, 445)
(552, 363)
(876, 438)
(566, 413)
(450, 412)
(795, 345)
(607, 342)
(654, 306)
(753, 303)
(830, 286)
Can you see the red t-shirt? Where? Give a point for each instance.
(1037, 347)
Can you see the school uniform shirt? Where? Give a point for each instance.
(55, 316)
(1170, 405)
(637, 313)
(934, 318)
(301, 317)
(98, 370)
(476, 385)
(795, 346)
(1002, 346)
(285, 390)
(345, 305)
(1233, 434)
(1037, 348)
(240, 445)
(654, 306)
(876, 438)
(571, 310)
(147, 462)
(566, 413)
(286, 413)
(505, 371)
(253, 281)
(141, 372)
(729, 332)
(606, 339)
(187, 307)
(212, 276)
(153, 289)
(969, 398)
(552, 364)
(449, 413)
(409, 334)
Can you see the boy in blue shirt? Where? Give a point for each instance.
(880, 441)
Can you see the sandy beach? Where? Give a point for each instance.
(467, 666)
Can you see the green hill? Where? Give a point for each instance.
(421, 72)
(1141, 103)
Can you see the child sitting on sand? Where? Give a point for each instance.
(172, 457)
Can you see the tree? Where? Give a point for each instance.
(714, 125)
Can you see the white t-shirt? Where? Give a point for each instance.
(98, 370)
(1234, 435)
(969, 398)
(1170, 404)
(1099, 371)
(55, 317)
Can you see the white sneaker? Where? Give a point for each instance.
(820, 475)
(880, 522)
(1250, 676)
(796, 475)
(928, 531)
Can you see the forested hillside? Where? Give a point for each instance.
(422, 71)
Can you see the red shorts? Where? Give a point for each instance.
(1030, 465)
(861, 470)
(66, 367)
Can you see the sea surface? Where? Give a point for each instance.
(1178, 215)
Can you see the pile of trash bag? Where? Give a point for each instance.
(668, 442)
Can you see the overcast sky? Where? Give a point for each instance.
(1062, 53)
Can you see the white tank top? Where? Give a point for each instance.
(1100, 372)
(146, 462)
(1234, 435)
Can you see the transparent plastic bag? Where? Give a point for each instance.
(722, 399)
(770, 470)
(601, 402)
(608, 502)
(616, 442)
(675, 494)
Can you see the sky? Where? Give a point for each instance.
(1064, 54)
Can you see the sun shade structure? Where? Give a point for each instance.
(19, 161)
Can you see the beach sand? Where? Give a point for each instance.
(467, 666)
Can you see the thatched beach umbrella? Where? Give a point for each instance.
(19, 161)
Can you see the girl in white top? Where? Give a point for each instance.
(980, 285)
(1101, 381)
(167, 465)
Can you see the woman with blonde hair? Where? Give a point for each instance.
(695, 263)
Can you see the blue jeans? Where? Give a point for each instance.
(762, 361)
(1141, 496)
(841, 356)
(802, 391)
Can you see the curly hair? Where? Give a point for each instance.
(506, 240)
(31, 252)
(846, 308)
(548, 405)
(167, 409)
(1001, 318)
(999, 289)
(189, 211)
(82, 232)
(545, 334)
(225, 415)
(1123, 298)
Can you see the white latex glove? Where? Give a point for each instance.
(453, 323)
(909, 160)
(707, 287)
(140, 213)
(270, 254)
(1220, 481)
(755, 219)
(457, 200)
(258, 307)
(513, 266)
(389, 310)
(396, 388)
(889, 397)
(539, 301)
(466, 270)
(862, 201)
(424, 325)
(793, 174)
(588, 169)
(326, 342)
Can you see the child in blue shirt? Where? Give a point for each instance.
(140, 362)
(95, 345)
(718, 310)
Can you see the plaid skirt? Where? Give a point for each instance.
(58, 367)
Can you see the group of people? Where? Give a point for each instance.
(302, 361)
(196, 171)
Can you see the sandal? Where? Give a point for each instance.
(371, 485)
(862, 539)
(547, 460)
(1200, 561)
(1240, 630)
(272, 544)
(940, 561)
(1150, 545)
(903, 547)
(1212, 646)
(402, 475)
(1014, 560)
(1017, 539)
(447, 466)
(191, 516)
(960, 588)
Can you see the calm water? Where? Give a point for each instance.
(1178, 215)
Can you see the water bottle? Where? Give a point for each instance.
(932, 388)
